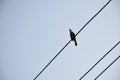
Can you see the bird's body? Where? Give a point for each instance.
(72, 36)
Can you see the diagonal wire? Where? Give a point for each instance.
(70, 40)
(99, 60)
(107, 67)
(52, 60)
(93, 17)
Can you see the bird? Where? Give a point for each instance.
(72, 36)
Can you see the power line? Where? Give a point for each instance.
(106, 68)
(70, 40)
(99, 60)
(52, 60)
(93, 17)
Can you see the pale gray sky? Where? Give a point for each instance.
(33, 31)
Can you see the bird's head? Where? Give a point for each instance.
(70, 30)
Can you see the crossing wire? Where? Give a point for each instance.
(99, 60)
(107, 67)
(70, 40)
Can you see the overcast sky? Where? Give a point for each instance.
(33, 31)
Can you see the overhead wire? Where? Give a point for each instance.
(93, 17)
(70, 40)
(51, 60)
(107, 67)
(99, 60)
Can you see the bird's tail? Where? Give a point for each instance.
(75, 42)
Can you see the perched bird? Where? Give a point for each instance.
(72, 36)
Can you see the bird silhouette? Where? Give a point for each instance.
(72, 36)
